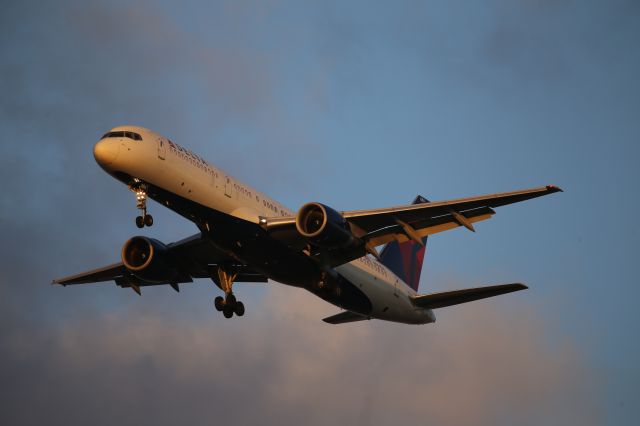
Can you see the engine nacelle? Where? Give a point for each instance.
(324, 226)
(149, 260)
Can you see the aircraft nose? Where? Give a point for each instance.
(105, 152)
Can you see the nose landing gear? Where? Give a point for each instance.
(141, 204)
(227, 305)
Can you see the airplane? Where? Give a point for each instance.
(245, 236)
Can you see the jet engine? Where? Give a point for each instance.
(149, 260)
(324, 226)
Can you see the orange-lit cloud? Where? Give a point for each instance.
(281, 364)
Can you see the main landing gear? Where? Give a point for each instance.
(141, 204)
(227, 305)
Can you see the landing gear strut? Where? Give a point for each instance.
(141, 204)
(227, 305)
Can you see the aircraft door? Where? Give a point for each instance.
(213, 179)
(162, 148)
(228, 186)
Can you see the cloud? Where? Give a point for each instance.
(281, 364)
(75, 355)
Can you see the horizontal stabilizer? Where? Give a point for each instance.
(455, 297)
(346, 316)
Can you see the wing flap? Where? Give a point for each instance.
(456, 297)
(427, 227)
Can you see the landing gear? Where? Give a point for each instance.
(227, 311)
(239, 309)
(141, 204)
(228, 305)
(219, 303)
(141, 221)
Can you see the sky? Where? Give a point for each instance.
(356, 105)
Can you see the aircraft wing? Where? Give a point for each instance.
(195, 257)
(379, 218)
(407, 222)
(106, 273)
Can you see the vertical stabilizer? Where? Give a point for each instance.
(405, 259)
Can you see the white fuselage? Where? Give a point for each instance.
(163, 163)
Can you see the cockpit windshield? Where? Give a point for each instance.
(123, 134)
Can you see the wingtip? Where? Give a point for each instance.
(520, 286)
(553, 188)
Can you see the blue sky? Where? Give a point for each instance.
(357, 106)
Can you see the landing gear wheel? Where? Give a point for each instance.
(231, 300)
(139, 222)
(148, 220)
(227, 311)
(239, 309)
(219, 303)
